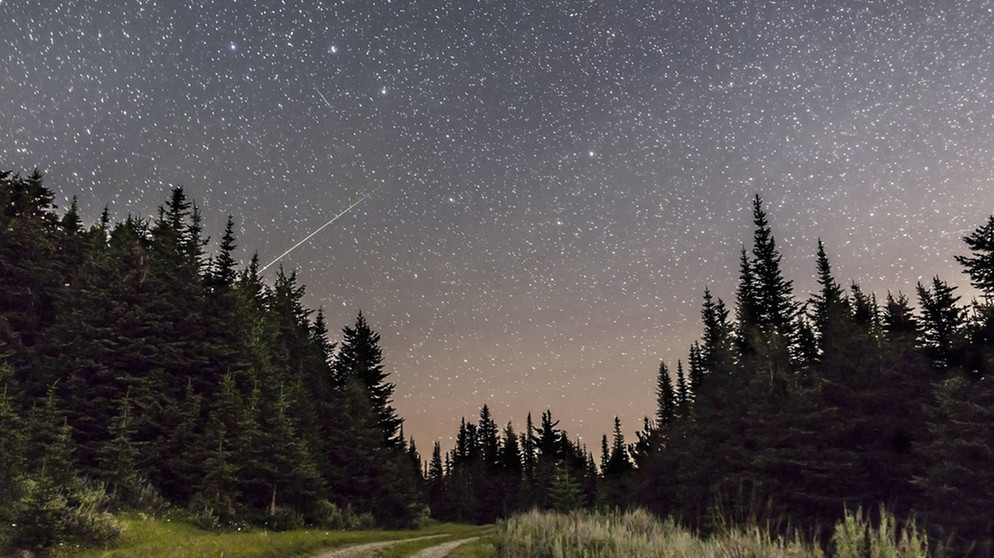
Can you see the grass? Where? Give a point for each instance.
(482, 547)
(161, 538)
(538, 534)
(637, 533)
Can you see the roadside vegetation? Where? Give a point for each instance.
(638, 533)
(168, 538)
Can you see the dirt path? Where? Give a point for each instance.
(443, 550)
(368, 549)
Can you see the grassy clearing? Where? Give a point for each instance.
(168, 538)
(638, 533)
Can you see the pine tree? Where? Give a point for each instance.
(528, 449)
(830, 305)
(960, 456)
(777, 310)
(489, 439)
(717, 341)
(605, 454)
(510, 453)
(682, 391)
(898, 318)
(941, 323)
(31, 275)
(980, 264)
(666, 398)
(747, 310)
(360, 359)
(13, 448)
(565, 491)
(223, 272)
(619, 463)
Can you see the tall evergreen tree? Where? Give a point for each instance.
(942, 321)
(666, 398)
(777, 310)
(682, 390)
(717, 340)
(360, 359)
(830, 305)
(747, 310)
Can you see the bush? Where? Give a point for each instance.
(334, 517)
(48, 515)
(854, 537)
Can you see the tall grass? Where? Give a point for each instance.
(637, 533)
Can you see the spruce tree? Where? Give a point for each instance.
(830, 305)
(777, 310)
(942, 321)
(489, 439)
(960, 457)
(682, 391)
(717, 340)
(360, 359)
(747, 310)
(528, 449)
(980, 264)
(666, 398)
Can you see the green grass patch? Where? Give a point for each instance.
(482, 547)
(168, 537)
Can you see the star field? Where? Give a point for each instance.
(553, 183)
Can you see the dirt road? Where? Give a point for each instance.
(368, 549)
(443, 550)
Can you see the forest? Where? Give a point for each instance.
(141, 370)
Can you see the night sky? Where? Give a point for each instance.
(552, 184)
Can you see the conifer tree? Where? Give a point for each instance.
(747, 310)
(666, 398)
(31, 276)
(223, 272)
(830, 305)
(361, 360)
(941, 323)
(717, 340)
(777, 310)
(898, 318)
(619, 463)
(980, 264)
(488, 437)
(605, 454)
(13, 447)
(956, 484)
(510, 452)
(682, 391)
(528, 449)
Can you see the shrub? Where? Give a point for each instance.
(334, 517)
(47, 515)
(855, 537)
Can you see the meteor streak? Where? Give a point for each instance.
(316, 231)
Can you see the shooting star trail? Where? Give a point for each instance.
(319, 229)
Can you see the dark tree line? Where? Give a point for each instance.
(135, 363)
(787, 410)
(133, 359)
